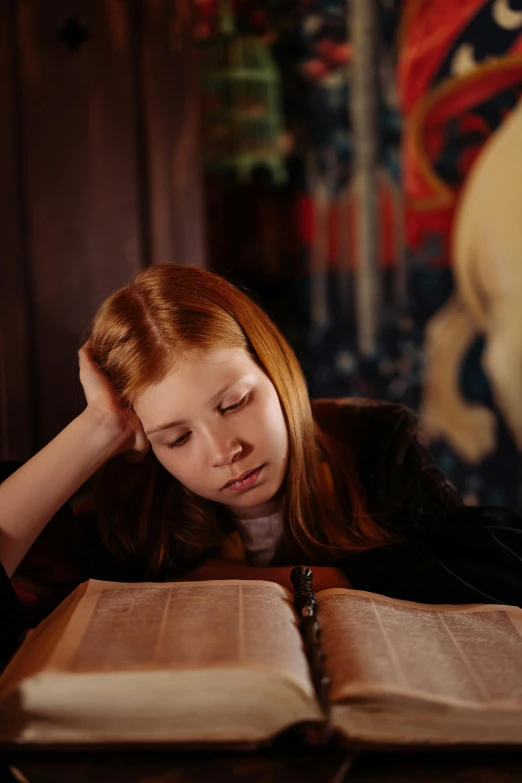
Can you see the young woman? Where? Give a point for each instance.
(211, 463)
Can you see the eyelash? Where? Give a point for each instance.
(236, 406)
(179, 442)
(230, 409)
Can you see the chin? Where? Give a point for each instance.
(256, 503)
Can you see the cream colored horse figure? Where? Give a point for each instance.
(487, 300)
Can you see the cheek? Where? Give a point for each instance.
(274, 425)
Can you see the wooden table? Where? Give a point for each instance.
(296, 766)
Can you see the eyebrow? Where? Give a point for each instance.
(213, 401)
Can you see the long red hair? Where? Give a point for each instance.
(146, 515)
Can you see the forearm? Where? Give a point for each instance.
(324, 577)
(279, 574)
(35, 492)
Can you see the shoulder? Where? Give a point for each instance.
(361, 408)
(377, 434)
(365, 422)
(402, 485)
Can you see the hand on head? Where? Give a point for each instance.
(102, 401)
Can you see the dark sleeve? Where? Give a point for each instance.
(12, 620)
(473, 555)
(448, 553)
(404, 489)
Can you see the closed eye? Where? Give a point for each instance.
(179, 442)
(229, 409)
(236, 406)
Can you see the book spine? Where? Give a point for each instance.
(306, 606)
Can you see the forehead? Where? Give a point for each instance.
(193, 381)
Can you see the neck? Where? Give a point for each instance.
(264, 510)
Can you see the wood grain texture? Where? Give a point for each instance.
(170, 95)
(78, 135)
(16, 423)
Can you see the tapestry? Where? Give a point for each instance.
(434, 324)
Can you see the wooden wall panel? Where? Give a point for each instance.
(170, 95)
(16, 425)
(83, 202)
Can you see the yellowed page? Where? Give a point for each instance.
(167, 662)
(460, 655)
(173, 625)
(40, 644)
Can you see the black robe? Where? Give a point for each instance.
(452, 553)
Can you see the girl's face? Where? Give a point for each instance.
(216, 424)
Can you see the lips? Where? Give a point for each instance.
(241, 477)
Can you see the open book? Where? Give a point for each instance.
(224, 662)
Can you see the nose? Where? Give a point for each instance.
(225, 449)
